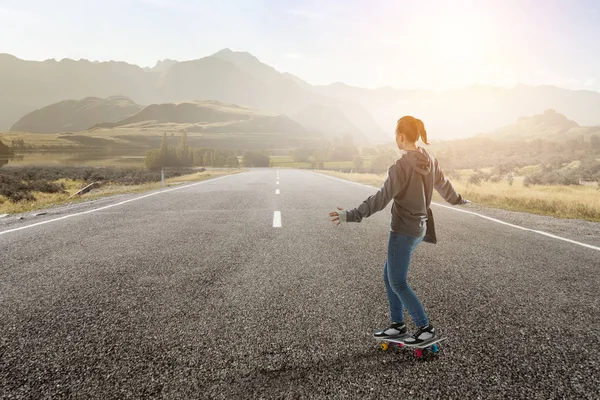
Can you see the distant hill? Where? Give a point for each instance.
(550, 125)
(227, 76)
(209, 117)
(315, 117)
(469, 111)
(297, 98)
(76, 115)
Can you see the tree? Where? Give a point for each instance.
(198, 156)
(232, 161)
(358, 163)
(320, 155)
(342, 153)
(256, 159)
(184, 153)
(163, 151)
(165, 156)
(302, 154)
(218, 158)
(207, 159)
(383, 161)
(153, 160)
(595, 142)
(5, 154)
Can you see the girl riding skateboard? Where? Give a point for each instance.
(409, 184)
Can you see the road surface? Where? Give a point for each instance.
(204, 292)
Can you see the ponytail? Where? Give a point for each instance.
(421, 130)
(412, 128)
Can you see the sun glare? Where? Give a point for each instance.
(457, 42)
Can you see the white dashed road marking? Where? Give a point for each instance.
(277, 219)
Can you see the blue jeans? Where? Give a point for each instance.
(400, 295)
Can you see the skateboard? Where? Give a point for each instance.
(417, 348)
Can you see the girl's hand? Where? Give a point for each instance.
(337, 217)
(464, 201)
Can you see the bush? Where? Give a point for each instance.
(16, 189)
(342, 153)
(302, 154)
(18, 183)
(232, 161)
(454, 175)
(383, 162)
(358, 163)
(5, 154)
(153, 160)
(256, 159)
(475, 179)
(552, 177)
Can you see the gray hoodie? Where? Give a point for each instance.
(406, 181)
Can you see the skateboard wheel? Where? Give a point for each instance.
(418, 353)
(435, 348)
(384, 346)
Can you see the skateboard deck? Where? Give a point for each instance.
(417, 348)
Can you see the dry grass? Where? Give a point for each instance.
(578, 202)
(46, 200)
(375, 180)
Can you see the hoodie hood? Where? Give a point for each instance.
(419, 160)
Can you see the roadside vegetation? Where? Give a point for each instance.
(6, 153)
(185, 156)
(537, 176)
(31, 188)
(511, 193)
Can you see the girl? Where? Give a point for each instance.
(413, 175)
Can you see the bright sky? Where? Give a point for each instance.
(428, 44)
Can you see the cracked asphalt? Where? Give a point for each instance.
(193, 294)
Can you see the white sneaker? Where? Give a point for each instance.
(423, 335)
(395, 330)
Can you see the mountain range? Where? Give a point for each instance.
(240, 78)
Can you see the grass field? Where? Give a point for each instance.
(46, 200)
(578, 202)
(137, 141)
(288, 162)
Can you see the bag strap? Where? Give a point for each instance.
(427, 195)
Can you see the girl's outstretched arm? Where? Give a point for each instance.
(374, 203)
(445, 188)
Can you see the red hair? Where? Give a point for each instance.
(412, 128)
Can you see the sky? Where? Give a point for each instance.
(429, 44)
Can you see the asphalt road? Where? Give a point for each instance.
(193, 293)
